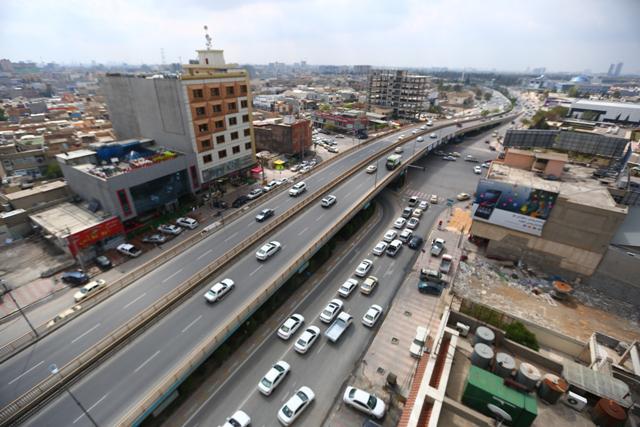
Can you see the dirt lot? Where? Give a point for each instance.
(22, 262)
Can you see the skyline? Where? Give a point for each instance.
(457, 34)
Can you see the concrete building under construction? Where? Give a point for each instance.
(397, 92)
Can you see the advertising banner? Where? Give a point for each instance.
(82, 239)
(513, 206)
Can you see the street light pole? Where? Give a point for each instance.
(8, 291)
(55, 371)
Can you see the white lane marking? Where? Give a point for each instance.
(204, 254)
(319, 217)
(91, 407)
(134, 300)
(255, 271)
(146, 361)
(25, 373)
(192, 323)
(83, 334)
(231, 236)
(173, 275)
(303, 231)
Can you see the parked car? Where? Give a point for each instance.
(332, 150)
(445, 263)
(399, 223)
(394, 247)
(270, 186)
(331, 310)
(434, 199)
(379, 249)
(61, 316)
(417, 346)
(437, 247)
(424, 205)
(295, 405)
(416, 242)
(255, 193)
(264, 214)
(413, 200)
(417, 213)
(470, 158)
(364, 267)
(372, 315)
(238, 419)
(347, 287)
(306, 339)
(406, 212)
(328, 201)
(84, 291)
(103, 262)
(129, 249)
(174, 230)
(390, 235)
(273, 377)
(405, 235)
(154, 238)
(240, 201)
(187, 222)
(268, 250)
(413, 223)
(364, 402)
(298, 189)
(368, 285)
(219, 290)
(290, 326)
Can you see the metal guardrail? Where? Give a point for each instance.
(74, 368)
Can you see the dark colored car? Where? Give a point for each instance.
(416, 242)
(75, 278)
(264, 214)
(430, 288)
(220, 204)
(103, 262)
(240, 201)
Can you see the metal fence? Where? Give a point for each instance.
(577, 142)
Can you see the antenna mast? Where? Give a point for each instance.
(207, 37)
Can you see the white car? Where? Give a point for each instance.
(399, 223)
(423, 127)
(399, 150)
(219, 290)
(390, 236)
(187, 222)
(372, 168)
(328, 201)
(295, 405)
(372, 315)
(298, 189)
(268, 250)
(255, 193)
(423, 205)
(417, 212)
(380, 248)
(347, 287)
(364, 267)
(331, 310)
(434, 199)
(368, 285)
(405, 235)
(414, 131)
(129, 249)
(364, 402)
(420, 139)
(84, 291)
(477, 170)
(433, 136)
(276, 374)
(238, 419)
(306, 339)
(170, 229)
(413, 223)
(270, 186)
(290, 326)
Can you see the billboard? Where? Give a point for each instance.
(513, 206)
(89, 236)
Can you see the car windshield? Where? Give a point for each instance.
(368, 316)
(301, 342)
(265, 382)
(371, 403)
(418, 342)
(234, 423)
(285, 328)
(327, 312)
(302, 396)
(288, 412)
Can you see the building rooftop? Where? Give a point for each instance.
(65, 219)
(588, 103)
(49, 186)
(76, 154)
(576, 185)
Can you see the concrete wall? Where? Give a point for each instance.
(618, 276)
(520, 161)
(555, 168)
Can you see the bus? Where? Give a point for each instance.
(393, 161)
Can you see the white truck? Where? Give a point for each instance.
(339, 325)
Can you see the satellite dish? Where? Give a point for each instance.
(499, 414)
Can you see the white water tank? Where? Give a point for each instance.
(528, 376)
(484, 335)
(481, 356)
(504, 365)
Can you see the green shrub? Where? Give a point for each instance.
(519, 333)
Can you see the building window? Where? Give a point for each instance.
(233, 121)
(245, 118)
(231, 106)
(206, 144)
(215, 92)
(230, 91)
(244, 103)
(219, 124)
(217, 108)
(197, 93)
(207, 159)
(247, 146)
(220, 139)
(236, 149)
(200, 111)
(194, 177)
(222, 154)
(243, 89)
(247, 132)
(124, 202)
(203, 128)
(234, 135)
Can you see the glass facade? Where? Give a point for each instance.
(159, 192)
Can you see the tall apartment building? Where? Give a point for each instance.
(397, 92)
(204, 113)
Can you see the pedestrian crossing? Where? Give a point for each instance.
(419, 194)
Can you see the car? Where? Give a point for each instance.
(296, 404)
(401, 137)
(434, 199)
(424, 205)
(470, 158)
(415, 242)
(485, 165)
(417, 346)
(295, 168)
(154, 238)
(406, 212)
(390, 235)
(449, 158)
(413, 200)
(417, 213)
(306, 339)
(331, 311)
(298, 189)
(290, 326)
(433, 136)
(463, 196)
(339, 136)
(368, 285)
(372, 315)
(255, 193)
(219, 290)
(399, 223)
(405, 235)
(75, 278)
(264, 214)
(379, 249)
(412, 223)
(437, 247)
(238, 419)
(270, 186)
(399, 150)
(440, 153)
(332, 150)
(477, 170)
(420, 139)
(268, 250)
(414, 131)
(61, 316)
(456, 154)
(394, 247)
(347, 287)
(364, 402)
(273, 377)
(84, 291)
(103, 262)
(372, 168)
(187, 222)
(174, 230)
(328, 201)
(364, 267)
(129, 249)
(239, 201)
(423, 127)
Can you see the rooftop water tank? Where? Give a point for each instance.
(481, 356)
(528, 375)
(551, 388)
(504, 365)
(484, 335)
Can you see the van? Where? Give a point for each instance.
(417, 348)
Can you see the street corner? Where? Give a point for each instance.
(460, 219)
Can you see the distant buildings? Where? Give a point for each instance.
(288, 136)
(402, 94)
(349, 122)
(618, 69)
(606, 111)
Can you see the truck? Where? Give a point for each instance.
(437, 247)
(393, 161)
(445, 264)
(338, 326)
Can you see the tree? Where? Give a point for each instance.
(53, 171)
(468, 102)
(484, 113)
(488, 96)
(616, 94)
(325, 107)
(330, 127)
(573, 92)
(3, 116)
(519, 333)
(457, 87)
(478, 93)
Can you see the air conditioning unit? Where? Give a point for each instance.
(462, 329)
(575, 401)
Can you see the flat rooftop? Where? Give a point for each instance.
(576, 185)
(585, 103)
(65, 219)
(49, 186)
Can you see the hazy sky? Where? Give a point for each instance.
(500, 34)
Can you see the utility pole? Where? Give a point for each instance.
(55, 371)
(8, 291)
